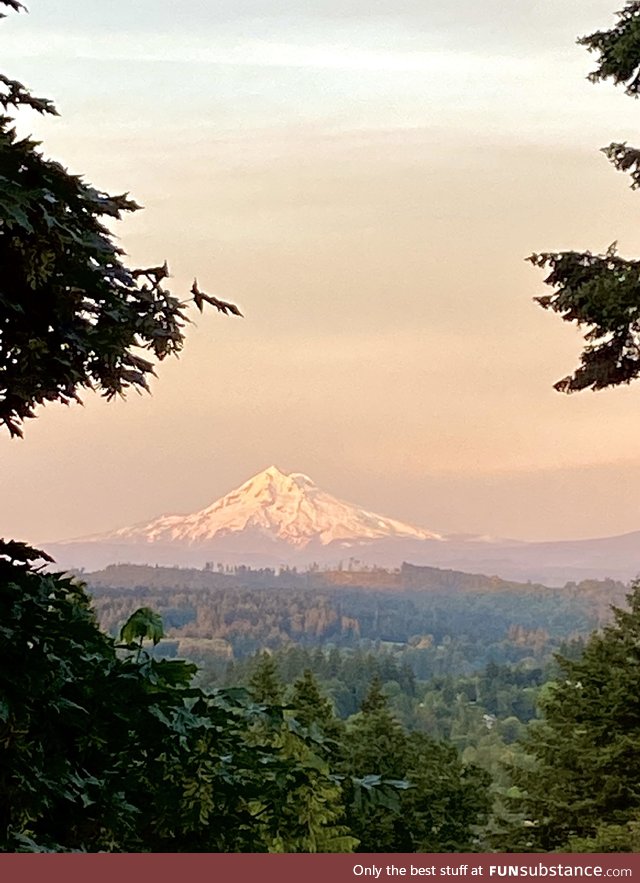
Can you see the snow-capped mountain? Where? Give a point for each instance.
(277, 519)
(289, 508)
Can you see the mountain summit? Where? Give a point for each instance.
(288, 508)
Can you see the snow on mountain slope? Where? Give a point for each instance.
(289, 508)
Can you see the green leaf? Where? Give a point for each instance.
(143, 624)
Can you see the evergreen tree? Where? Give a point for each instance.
(444, 800)
(602, 292)
(312, 817)
(310, 706)
(448, 800)
(375, 701)
(585, 784)
(265, 684)
(376, 746)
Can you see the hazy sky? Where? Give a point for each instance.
(365, 180)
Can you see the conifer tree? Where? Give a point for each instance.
(308, 702)
(448, 802)
(265, 684)
(375, 701)
(444, 800)
(376, 745)
(312, 818)
(585, 784)
(601, 292)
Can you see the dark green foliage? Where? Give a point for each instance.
(375, 702)
(602, 292)
(443, 803)
(311, 707)
(265, 684)
(618, 50)
(449, 800)
(585, 783)
(114, 749)
(72, 315)
(104, 751)
(53, 657)
(104, 746)
(144, 623)
(609, 838)
(625, 159)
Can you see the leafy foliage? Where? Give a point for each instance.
(144, 623)
(72, 314)
(108, 748)
(103, 746)
(104, 751)
(602, 292)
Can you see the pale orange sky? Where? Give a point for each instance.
(365, 180)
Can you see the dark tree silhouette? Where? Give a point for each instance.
(602, 292)
(72, 314)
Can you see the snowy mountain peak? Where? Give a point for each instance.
(270, 475)
(273, 481)
(277, 506)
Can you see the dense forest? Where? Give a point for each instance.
(114, 742)
(106, 747)
(442, 622)
(463, 660)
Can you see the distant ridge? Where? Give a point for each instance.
(406, 577)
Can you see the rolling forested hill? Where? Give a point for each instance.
(440, 621)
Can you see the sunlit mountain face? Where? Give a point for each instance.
(289, 508)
